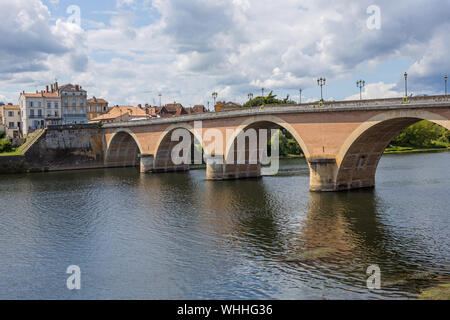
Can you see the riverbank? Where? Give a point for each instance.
(401, 150)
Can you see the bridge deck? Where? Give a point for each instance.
(329, 106)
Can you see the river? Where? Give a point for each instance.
(177, 236)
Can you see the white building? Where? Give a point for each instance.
(40, 109)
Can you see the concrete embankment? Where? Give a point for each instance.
(59, 148)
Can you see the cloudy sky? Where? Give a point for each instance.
(129, 51)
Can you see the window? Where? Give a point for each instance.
(31, 104)
(74, 101)
(99, 109)
(10, 114)
(74, 111)
(40, 104)
(56, 105)
(40, 112)
(32, 113)
(66, 111)
(66, 101)
(49, 105)
(11, 125)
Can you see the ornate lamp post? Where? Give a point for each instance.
(360, 84)
(300, 99)
(321, 82)
(215, 95)
(406, 85)
(250, 96)
(160, 95)
(262, 91)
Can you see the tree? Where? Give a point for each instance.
(287, 144)
(422, 134)
(5, 145)
(270, 99)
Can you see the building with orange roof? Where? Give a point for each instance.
(10, 121)
(40, 109)
(226, 106)
(96, 107)
(121, 114)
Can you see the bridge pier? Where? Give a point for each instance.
(147, 162)
(219, 170)
(323, 173)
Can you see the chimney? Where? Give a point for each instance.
(56, 86)
(140, 106)
(77, 88)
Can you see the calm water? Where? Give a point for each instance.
(177, 236)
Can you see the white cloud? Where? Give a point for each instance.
(378, 90)
(194, 47)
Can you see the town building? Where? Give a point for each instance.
(121, 114)
(74, 104)
(40, 109)
(199, 108)
(10, 121)
(96, 107)
(226, 106)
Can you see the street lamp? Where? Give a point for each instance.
(406, 85)
(250, 96)
(215, 95)
(262, 90)
(160, 95)
(321, 82)
(300, 90)
(360, 84)
(445, 79)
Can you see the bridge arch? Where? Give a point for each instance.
(358, 158)
(163, 149)
(248, 123)
(123, 149)
(232, 169)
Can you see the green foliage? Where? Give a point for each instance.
(5, 145)
(288, 145)
(423, 134)
(2, 134)
(270, 99)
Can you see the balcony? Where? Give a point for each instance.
(81, 115)
(36, 116)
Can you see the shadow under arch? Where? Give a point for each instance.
(270, 122)
(360, 154)
(123, 150)
(163, 161)
(245, 161)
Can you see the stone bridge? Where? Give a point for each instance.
(342, 141)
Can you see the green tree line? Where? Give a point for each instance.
(424, 134)
(268, 100)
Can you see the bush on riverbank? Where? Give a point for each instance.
(423, 135)
(5, 144)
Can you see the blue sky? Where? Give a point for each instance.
(129, 51)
